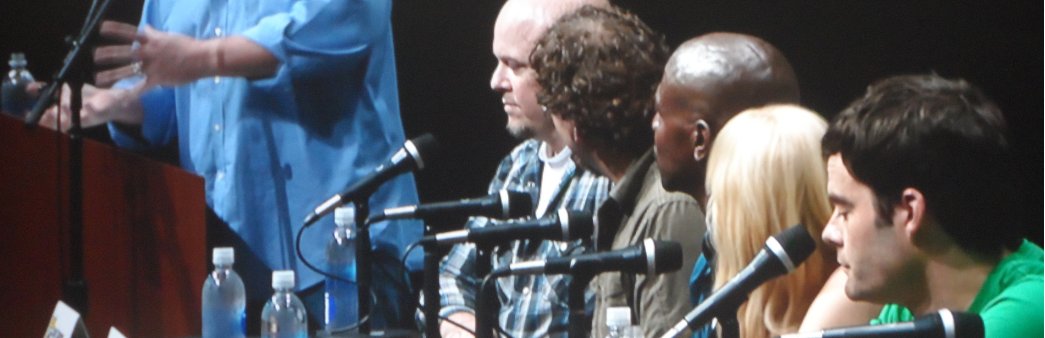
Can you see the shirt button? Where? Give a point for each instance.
(526, 290)
(218, 32)
(217, 79)
(217, 127)
(219, 175)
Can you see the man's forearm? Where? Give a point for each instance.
(238, 56)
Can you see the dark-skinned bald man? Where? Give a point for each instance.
(708, 80)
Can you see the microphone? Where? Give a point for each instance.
(782, 253)
(503, 204)
(651, 257)
(566, 225)
(408, 158)
(942, 324)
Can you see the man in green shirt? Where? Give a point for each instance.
(922, 206)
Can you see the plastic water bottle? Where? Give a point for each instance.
(618, 323)
(224, 303)
(341, 298)
(284, 315)
(15, 100)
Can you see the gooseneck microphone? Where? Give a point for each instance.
(942, 324)
(408, 158)
(503, 204)
(565, 225)
(781, 254)
(651, 257)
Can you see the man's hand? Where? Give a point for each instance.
(466, 319)
(99, 106)
(164, 59)
(174, 59)
(121, 56)
(167, 59)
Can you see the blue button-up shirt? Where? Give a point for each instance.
(271, 149)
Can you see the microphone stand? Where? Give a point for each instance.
(433, 255)
(575, 301)
(363, 253)
(727, 320)
(74, 289)
(486, 300)
(729, 328)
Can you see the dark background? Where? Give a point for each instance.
(836, 48)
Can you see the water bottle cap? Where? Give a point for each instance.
(618, 316)
(224, 256)
(283, 279)
(345, 215)
(17, 60)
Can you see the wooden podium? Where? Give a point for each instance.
(144, 237)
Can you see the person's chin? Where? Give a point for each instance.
(668, 184)
(857, 292)
(518, 131)
(670, 179)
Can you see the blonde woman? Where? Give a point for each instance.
(766, 173)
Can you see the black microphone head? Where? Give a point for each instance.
(519, 204)
(961, 324)
(792, 246)
(578, 224)
(662, 256)
(420, 147)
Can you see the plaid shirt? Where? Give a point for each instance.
(535, 305)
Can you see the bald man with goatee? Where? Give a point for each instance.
(530, 306)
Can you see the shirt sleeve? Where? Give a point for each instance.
(1016, 312)
(458, 282)
(322, 38)
(158, 126)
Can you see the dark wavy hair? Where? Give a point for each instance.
(599, 67)
(946, 139)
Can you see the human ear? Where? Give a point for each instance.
(701, 138)
(911, 211)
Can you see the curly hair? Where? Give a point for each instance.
(600, 67)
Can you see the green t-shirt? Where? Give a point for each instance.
(1010, 301)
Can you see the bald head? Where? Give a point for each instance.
(706, 81)
(543, 13)
(519, 25)
(527, 20)
(736, 71)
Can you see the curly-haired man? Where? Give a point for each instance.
(599, 69)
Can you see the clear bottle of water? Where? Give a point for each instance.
(284, 315)
(16, 101)
(341, 298)
(224, 300)
(618, 323)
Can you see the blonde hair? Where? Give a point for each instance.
(765, 174)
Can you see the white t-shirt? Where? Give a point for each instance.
(551, 175)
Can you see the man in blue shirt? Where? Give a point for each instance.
(277, 104)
